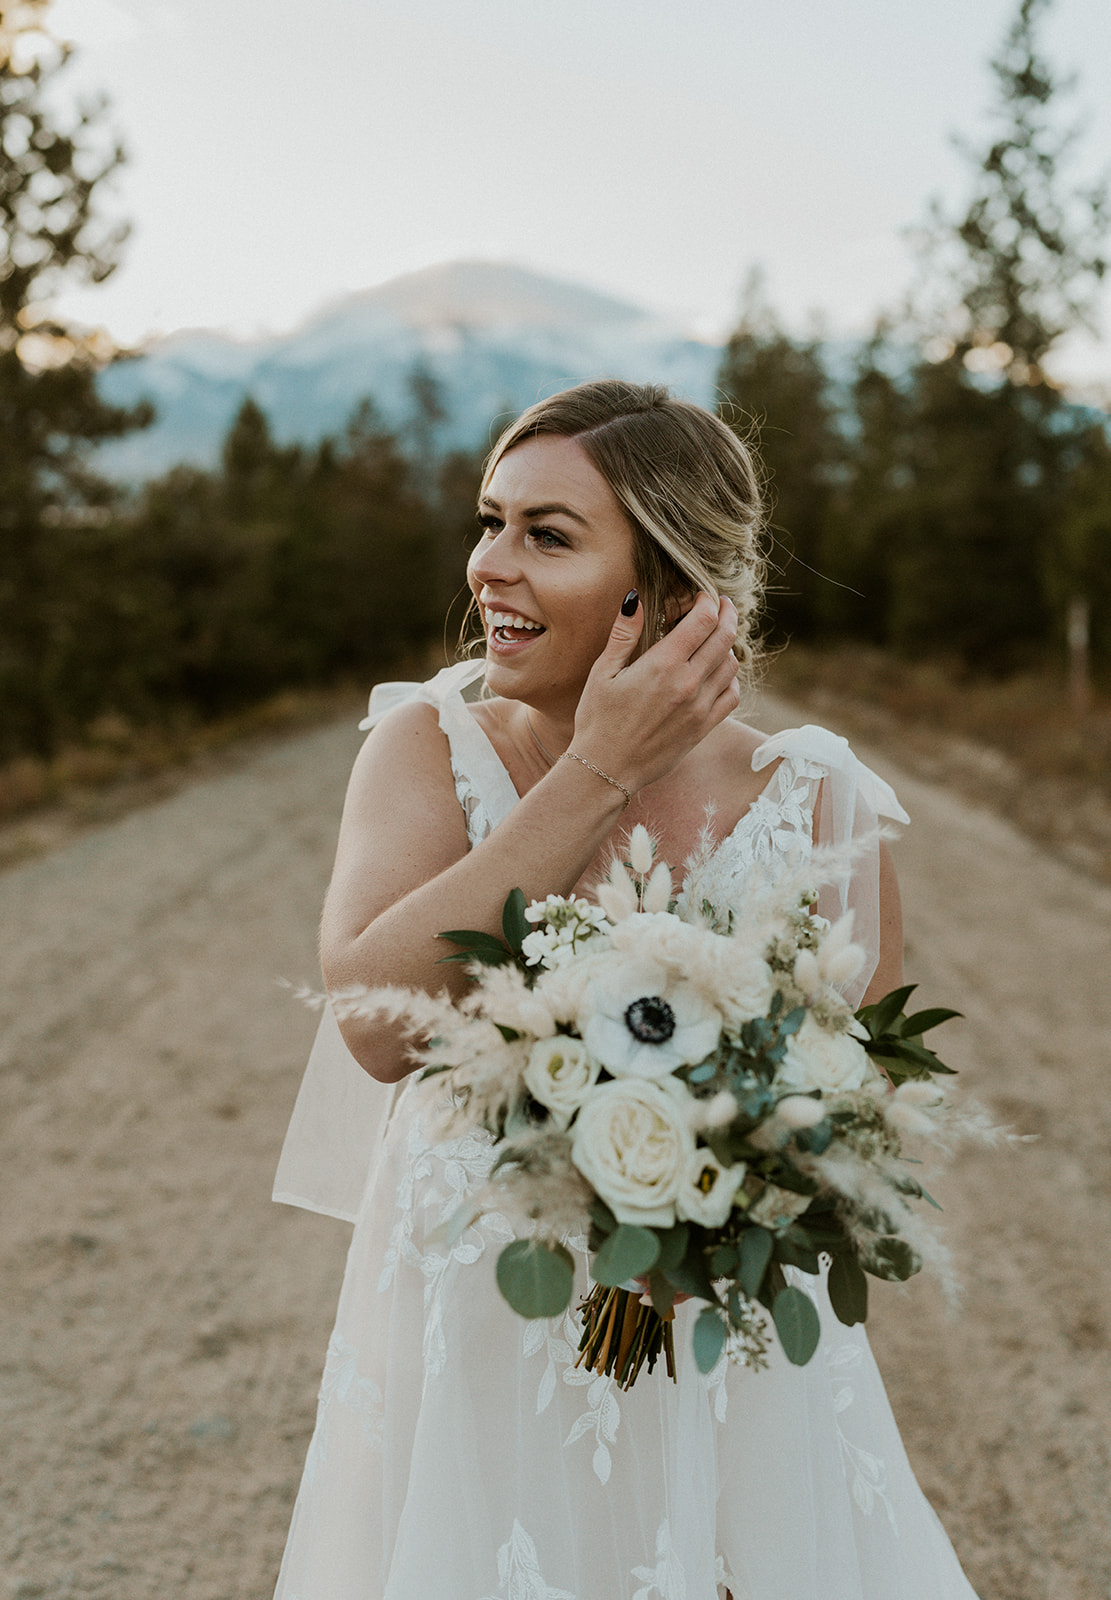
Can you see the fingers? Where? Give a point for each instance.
(624, 635)
(707, 625)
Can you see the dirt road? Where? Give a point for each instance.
(163, 1325)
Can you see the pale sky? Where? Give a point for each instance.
(283, 153)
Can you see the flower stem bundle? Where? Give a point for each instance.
(621, 1334)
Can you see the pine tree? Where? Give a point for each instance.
(50, 411)
(992, 441)
(778, 386)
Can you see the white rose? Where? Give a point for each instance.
(818, 1059)
(632, 1143)
(559, 1074)
(746, 985)
(706, 1195)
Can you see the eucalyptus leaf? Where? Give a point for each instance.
(627, 1253)
(894, 1260)
(709, 1339)
(793, 1254)
(691, 1276)
(848, 1290)
(816, 1140)
(756, 1252)
(673, 1246)
(792, 1022)
(601, 1215)
(536, 1278)
(797, 1325)
(773, 1286)
(662, 1292)
(723, 1260)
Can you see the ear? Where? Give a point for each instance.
(677, 604)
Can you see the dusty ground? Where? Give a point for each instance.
(164, 1324)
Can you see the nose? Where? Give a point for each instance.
(493, 560)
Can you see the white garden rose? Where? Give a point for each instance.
(746, 984)
(659, 937)
(707, 1191)
(818, 1059)
(641, 1022)
(559, 1074)
(631, 1141)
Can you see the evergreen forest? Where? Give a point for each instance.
(933, 492)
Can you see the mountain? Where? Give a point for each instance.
(494, 337)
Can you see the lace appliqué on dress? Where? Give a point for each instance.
(343, 1387)
(779, 824)
(475, 814)
(519, 1575)
(559, 1339)
(865, 1472)
(666, 1580)
(438, 1178)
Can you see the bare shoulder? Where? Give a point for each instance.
(740, 742)
(728, 754)
(407, 745)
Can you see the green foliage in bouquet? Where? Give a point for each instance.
(714, 1038)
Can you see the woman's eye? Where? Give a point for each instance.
(547, 538)
(488, 523)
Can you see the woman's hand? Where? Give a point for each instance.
(638, 719)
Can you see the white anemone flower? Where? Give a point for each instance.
(641, 1022)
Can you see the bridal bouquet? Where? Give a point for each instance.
(681, 1081)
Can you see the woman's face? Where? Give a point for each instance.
(550, 572)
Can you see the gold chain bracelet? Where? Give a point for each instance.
(573, 755)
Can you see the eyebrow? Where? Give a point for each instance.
(556, 508)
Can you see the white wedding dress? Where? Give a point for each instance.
(459, 1454)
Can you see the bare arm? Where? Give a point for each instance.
(889, 968)
(403, 869)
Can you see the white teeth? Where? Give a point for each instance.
(508, 619)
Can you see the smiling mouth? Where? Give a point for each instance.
(507, 627)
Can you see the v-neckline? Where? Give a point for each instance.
(727, 838)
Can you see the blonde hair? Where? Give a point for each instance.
(689, 486)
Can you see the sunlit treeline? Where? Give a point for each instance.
(931, 506)
(286, 566)
(912, 505)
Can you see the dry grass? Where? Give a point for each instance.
(1014, 745)
(119, 767)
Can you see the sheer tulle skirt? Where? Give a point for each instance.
(460, 1455)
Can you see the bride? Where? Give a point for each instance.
(459, 1453)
